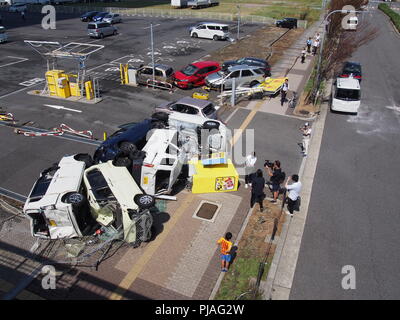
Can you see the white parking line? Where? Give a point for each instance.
(61, 108)
(15, 62)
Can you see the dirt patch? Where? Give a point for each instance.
(304, 109)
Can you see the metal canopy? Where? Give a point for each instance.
(74, 50)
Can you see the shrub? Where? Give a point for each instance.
(394, 16)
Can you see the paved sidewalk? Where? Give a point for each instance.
(290, 66)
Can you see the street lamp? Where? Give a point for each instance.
(238, 26)
(152, 52)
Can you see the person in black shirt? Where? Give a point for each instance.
(257, 190)
(276, 179)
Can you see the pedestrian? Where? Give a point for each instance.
(303, 55)
(293, 196)
(251, 160)
(277, 176)
(315, 47)
(257, 190)
(284, 91)
(309, 43)
(23, 15)
(306, 132)
(226, 247)
(317, 37)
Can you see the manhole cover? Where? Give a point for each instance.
(304, 112)
(207, 211)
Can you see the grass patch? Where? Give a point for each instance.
(394, 16)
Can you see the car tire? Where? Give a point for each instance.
(215, 38)
(75, 198)
(115, 32)
(158, 125)
(127, 147)
(210, 124)
(194, 35)
(86, 158)
(161, 116)
(254, 83)
(144, 201)
(101, 36)
(122, 162)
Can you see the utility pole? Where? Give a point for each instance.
(238, 26)
(152, 51)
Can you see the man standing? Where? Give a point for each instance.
(277, 177)
(315, 46)
(303, 55)
(309, 43)
(250, 162)
(226, 247)
(23, 15)
(284, 91)
(257, 190)
(294, 193)
(306, 131)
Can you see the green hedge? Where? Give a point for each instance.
(394, 16)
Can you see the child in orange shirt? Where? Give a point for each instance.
(226, 246)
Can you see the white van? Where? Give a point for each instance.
(210, 30)
(346, 95)
(352, 23)
(163, 162)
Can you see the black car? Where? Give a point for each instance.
(353, 68)
(250, 61)
(287, 23)
(88, 16)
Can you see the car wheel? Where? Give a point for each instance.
(161, 116)
(86, 158)
(144, 201)
(122, 162)
(158, 125)
(215, 38)
(74, 198)
(254, 83)
(127, 147)
(190, 86)
(115, 32)
(101, 36)
(194, 35)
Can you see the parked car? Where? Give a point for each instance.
(194, 74)
(128, 139)
(346, 95)
(99, 16)
(112, 18)
(162, 73)
(18, 7)
(88, 16)
(243, 75)
(287, 23)
(198, 4)
(250, 61)
(101, 29)
(57, 206)
(351, 68)
(3, 35)
(187, 105)
(117, 202)
(210, 30)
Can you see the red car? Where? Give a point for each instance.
(194, 74)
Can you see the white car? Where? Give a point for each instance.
(117, 202)
(210, 30)
(18, 7)
(3, 35)
(112, 18)
(57, 206)
(346, 95)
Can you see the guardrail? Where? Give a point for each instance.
(161, 13)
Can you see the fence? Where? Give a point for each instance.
(160, 13)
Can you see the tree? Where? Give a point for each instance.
(340, 44)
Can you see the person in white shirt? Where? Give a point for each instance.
(317, 36)
(251, 160)
(315, 46)
(284, 91)
(294, 190)
(306, 131)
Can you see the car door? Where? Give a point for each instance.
(201, 31)
(200, 76)
(229, 79)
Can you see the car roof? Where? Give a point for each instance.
(352, 63)
(348, 83)
(201, 64)
(157, 145)
(215, 24)
(158, 66)
(242, 67)
(194, 102)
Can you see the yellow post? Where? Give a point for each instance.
(89, 90)
(104, 136)
(123, 69)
